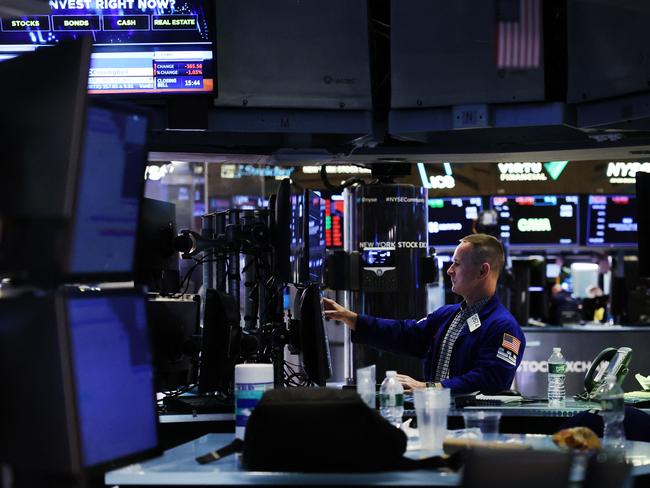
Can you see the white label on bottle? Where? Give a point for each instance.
(473, 322)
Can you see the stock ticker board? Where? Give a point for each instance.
(140, 46)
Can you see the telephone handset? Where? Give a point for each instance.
(618, 359)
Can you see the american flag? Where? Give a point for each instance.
(519, 36)
(511, 343)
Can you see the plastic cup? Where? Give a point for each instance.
(431, 408)
(486, 421)
(366, 385)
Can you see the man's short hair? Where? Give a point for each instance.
(486, 249)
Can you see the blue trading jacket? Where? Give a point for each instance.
(483, 360)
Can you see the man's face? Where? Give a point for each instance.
(463, 271)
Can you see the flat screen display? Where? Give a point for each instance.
(109, 193)
(611, 220)
(378, 258)
(334, 208)
(139, 46)
(538, 220)
(297, 241)
(315, 236)
(113, 375)
(451, 219)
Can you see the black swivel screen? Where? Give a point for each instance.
(110, 192)
(113, 377)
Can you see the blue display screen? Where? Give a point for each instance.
(316, 236)
(110, 192)
(140, 46)
(113, 376)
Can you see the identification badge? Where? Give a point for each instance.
(473, 322)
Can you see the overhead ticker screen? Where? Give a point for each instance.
(611, 220)
(139, 46)
(334, 222)
(545, 220)
(451, 219)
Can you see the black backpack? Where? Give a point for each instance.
(325, 430)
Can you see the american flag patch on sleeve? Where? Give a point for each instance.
(511, 343)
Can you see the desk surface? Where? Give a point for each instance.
(178, 467)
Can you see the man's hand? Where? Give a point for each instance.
(334, 311)
(409, 383)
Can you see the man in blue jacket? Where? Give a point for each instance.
(473, 346)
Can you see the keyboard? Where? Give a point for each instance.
(199, 404)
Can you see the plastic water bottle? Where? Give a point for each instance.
(612, 409)
(556, 378)
(391, 399)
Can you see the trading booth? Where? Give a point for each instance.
(188, 186)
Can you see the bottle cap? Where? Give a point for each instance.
(391, 373)
(557, 349)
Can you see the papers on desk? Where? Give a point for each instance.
(499, 398)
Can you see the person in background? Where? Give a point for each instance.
(476, 345)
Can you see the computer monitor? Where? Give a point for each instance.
(220, 343)
(43, 101)
(451, 219)
(79, 369)
(175, 338)
(157, 260)
(538, 220)
(334, 221)
(643, 220)
(314, 236)
(140, 47)
(297, 232)
(109, 194)
(281, 232)
(307, 232)
(611, 220)
(314, 344)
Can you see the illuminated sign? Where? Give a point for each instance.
(437, 182)
(621, 172)
(236, 171)
(534, 225)
(531, 171)
(347, 169)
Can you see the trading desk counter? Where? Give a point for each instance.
(580, 345)
(177, 467)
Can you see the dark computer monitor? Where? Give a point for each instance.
(538, 220)
(643, 221)
(109, 194)
(80, 372)
(451, 219)
(307, 232)
(313, 237)
(157, 260)
(314, 344)
(297, 233)
(220, 343)
(140, 47)
(175, 338)
(43, 99)
(611, 220)
(281, 232)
